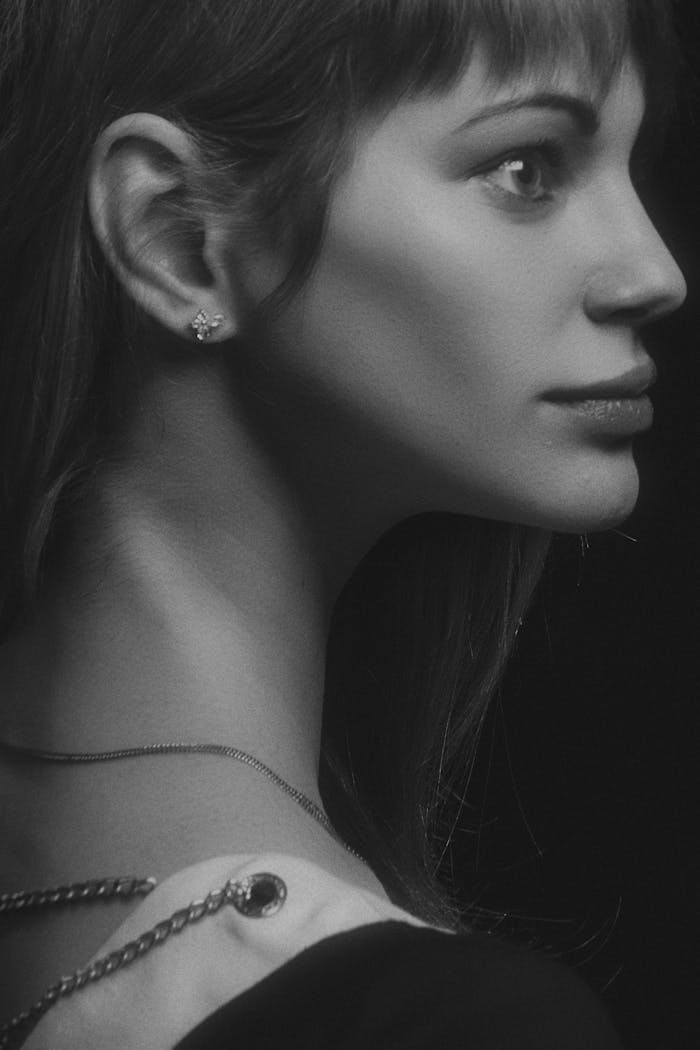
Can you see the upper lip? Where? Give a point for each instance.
(630, 384)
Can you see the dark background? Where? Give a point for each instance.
(587, 788)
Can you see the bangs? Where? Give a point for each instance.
(412, 47)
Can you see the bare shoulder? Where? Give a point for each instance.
(222, 926)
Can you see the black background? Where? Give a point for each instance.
(586, 791)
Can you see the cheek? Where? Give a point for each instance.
(426, 352)
(406, 336)
(440, 291)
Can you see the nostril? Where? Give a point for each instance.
(633, 316)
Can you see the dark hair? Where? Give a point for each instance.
(270, 91)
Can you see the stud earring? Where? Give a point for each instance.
(203, 327)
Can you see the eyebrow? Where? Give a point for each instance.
(581, 109)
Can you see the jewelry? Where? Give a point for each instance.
(123, 886)
(145, 750)
(203, 327)
(257, 897)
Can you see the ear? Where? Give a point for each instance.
(138, 171)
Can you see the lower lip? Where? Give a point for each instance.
(618, 416)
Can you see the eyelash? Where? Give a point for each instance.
(547, 155)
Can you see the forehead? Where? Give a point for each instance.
(429, 132)
(480, 86)
(569, 68)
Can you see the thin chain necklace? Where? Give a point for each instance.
(241, 894)
(180, 748)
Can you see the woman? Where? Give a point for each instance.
(284, 279)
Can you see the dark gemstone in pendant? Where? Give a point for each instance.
(259, 896)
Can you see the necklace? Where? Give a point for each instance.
(258, 896)
(182, 748)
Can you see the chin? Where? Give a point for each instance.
(600, 500)
(588, 493)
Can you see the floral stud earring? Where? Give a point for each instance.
(203, 327)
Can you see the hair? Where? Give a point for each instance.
(271, 92)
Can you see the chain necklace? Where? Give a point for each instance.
(122, 886)
(256, 896)
(244, 895)
(181, 748)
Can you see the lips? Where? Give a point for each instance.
(629, 385)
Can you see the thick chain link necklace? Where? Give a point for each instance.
(258, 896)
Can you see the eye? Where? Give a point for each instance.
(530, 174)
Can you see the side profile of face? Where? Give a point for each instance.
(484, 249)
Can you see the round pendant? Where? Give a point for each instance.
(257, 896)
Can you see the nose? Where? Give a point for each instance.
(639, 280)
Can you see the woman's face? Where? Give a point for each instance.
(485, 249)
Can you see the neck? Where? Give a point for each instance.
(155, 645)
(195, 607)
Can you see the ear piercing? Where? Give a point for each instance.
(202, 326)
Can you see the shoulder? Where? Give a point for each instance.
(392, 984)
(327, 967)
(219, 953)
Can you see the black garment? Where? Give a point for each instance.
(392, 986)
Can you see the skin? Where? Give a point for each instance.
(409, 377)
(447, 304)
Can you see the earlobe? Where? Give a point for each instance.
(170, 259)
